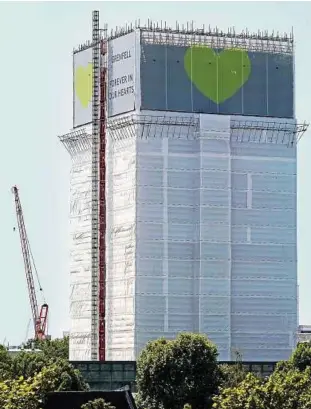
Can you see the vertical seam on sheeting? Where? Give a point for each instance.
(230, 238)
(165, 230)
(249, 190)
(248, 234)
(200, 237)
(135, 352)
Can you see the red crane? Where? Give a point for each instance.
(39, 317)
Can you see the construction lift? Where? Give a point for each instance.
(39, 317)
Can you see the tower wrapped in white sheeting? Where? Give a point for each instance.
(200, 195)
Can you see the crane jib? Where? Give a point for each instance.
(39, 317)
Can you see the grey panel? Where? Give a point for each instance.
(165, 85)
(280, 68)
(154, 76)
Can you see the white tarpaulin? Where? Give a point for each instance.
(201, 236)
(80, 254)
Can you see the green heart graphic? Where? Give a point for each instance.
(217, 76)
(84, 84)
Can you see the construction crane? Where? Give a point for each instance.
(39, 317)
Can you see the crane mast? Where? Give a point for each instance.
(39, 317)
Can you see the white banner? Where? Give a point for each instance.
(82, 87)
(122, 63)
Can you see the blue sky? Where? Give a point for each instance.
(36, 105)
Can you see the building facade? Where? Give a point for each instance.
(201, 182)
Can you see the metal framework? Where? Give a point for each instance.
(272, 132)
(188, 127)
(95, 183)
(145, 126)
(187, 35)
(218, 40)
(76, 141)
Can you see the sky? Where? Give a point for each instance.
(36, 42)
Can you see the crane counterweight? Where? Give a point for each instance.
(39, 316)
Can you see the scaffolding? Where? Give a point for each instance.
(219, 40)
(188, 127)
(185, 35)
(145, 126)
(272, 132)
(76, 141)
(95, 183)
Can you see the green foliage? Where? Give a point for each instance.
(19, 394)
(232, 375)
(97, 404)
(173, 373)
(246, 395)
(63, 376)
(27, 364)
(31, 393)
(288, 389)
(26, 378)
(56, 348)
(301, 357)
(5, 363)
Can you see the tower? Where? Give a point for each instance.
(200, 193)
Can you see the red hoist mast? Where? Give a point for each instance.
(39, 317)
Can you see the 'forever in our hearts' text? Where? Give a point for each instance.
(121, 85)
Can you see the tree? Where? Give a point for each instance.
(97, 404)
(60, 376)
(27, 364)
(232, 375)
(172, 373)
(288, 389)
(18, 394)
(5, 363)
(56, 348)
(248, 394)
(31, 393)
(301, 357)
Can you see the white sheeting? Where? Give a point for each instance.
(80, 257)
(120, 238)
(201, 236)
